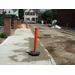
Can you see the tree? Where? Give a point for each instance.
(54, 14)
(21, 13)
(39, 18)
(46, 15)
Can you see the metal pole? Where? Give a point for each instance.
(52, 15)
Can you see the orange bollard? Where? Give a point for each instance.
(35, 53)
(35, 40)
(67, 25)
(27, 25)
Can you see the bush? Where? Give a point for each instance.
(11, 24)
(2, 24)
(3, 35)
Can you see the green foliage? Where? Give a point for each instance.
(2, 18)
(11, 24)
(39, 18)
(3, 35)
(47, 14)
(2, 24)
(54, 14)
(21, 13)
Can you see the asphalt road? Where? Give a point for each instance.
(2, 29)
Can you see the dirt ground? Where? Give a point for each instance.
(60, 43)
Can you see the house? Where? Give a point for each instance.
(12, 11)
(65, 16)
(1, 10)
(31, 15)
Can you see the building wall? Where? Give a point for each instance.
(30, 16)
(12, 12)
(1, 10)
(65, 16)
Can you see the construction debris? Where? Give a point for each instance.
(56, 26)
(49, 25)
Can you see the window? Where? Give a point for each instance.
(29, 13)
(28, 19)
(9, 11)
(33, 13)
(26, 13)
(33, 19)
(5, 11)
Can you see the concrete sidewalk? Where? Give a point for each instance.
(13, 51)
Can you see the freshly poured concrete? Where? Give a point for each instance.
(14, 50)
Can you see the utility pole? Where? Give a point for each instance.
(52, 16)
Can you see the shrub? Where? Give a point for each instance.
(3, 35)
(2, 24)
(11, 24)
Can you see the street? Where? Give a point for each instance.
(60, 43)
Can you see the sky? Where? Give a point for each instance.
(44, 10)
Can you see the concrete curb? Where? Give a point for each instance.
(52, 60)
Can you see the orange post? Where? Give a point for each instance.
(27, 25)
(67, 25)
(35, 39)
(35, 53)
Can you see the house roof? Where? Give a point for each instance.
(34, 9)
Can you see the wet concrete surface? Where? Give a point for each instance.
(43, 55)
(14, 50)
